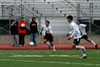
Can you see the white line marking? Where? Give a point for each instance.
(49, 62)
(42, 56)
(46, 56)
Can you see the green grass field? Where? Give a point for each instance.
(45, 58)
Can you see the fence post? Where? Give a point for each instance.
(78, 11)
(91, 18)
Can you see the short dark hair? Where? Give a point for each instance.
(48, 21)
(12, 20)
(70, 17)
(34, 18)
(79, 21)
(21, 17)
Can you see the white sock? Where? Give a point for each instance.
(48, 43)
(82, 49)
(84, 54)
(53, 47)
(93, 43)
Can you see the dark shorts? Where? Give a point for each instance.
(84, 37)
(49, 37)
(76, 41)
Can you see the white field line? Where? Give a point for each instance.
(43, 56)
(72, 56)
(49, 62)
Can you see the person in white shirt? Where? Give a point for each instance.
(77, 36)
(83, 30)
(48, 37)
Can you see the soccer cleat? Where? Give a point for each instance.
(84, 56)
(96, 46)
(54, 50)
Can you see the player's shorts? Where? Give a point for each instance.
(84, 37)
(76, 41)
(49, 37)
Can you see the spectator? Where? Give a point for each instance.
(33, 30)
(14, 32)
(22, 31)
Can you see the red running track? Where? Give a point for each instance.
(43, 46)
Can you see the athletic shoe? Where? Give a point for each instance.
(84, 56)
(54, 50)
(96, 46)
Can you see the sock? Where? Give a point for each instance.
(48, 43)
(93, 43)
(53, 47)
(82, 49)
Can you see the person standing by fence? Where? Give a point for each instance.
(14, 31)
(22, 31)
(33, 30)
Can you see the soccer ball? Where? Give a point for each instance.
(31, 44)
(22, 25)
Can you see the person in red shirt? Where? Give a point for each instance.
(22, 31)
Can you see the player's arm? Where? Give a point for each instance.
(25, 25)
(71, 34)
(19, 25)
(68, 34)
(41, 31)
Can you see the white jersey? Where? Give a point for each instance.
(82, 28)
(47, 29)
(74, 30)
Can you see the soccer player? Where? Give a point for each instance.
(76, 34)
(33, 30)
(22, 31)
(83, 30)
(48, 37)
(14, 32)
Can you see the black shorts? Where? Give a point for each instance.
(84, 37)
(76, 41)
(49, 37)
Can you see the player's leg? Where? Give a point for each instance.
(13, 41)
(80, 48)
(23, 38)
(31, 37)
(51, 42)
(53, 47)
(91, 41)
(20, 39)
(34, 38)
(16, 41)
(46, 41)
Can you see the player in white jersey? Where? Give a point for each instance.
(83, 30)
(48, 37)
(77, 36)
